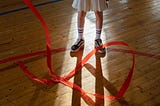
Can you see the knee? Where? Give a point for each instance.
(81, 14)
(99, 15)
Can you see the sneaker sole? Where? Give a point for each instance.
(99, 51)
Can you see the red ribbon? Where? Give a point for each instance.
(65, 79)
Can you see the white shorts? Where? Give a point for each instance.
(89, 5)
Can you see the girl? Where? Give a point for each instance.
(82, 6)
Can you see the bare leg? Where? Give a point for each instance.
(81, 19)
(80, 23)
(99, 23)
(99, 19)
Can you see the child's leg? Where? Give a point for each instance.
(80, 23)
(99, 23)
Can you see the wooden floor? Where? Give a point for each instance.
(136, 22)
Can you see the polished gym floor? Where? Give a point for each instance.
(136, 22)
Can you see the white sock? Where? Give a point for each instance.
(98, 33)
(80, 33)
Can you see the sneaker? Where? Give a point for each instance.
(98, 43)
(77, 45)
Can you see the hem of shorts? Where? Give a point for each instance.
(89, 10)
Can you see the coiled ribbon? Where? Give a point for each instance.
(65, 79)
